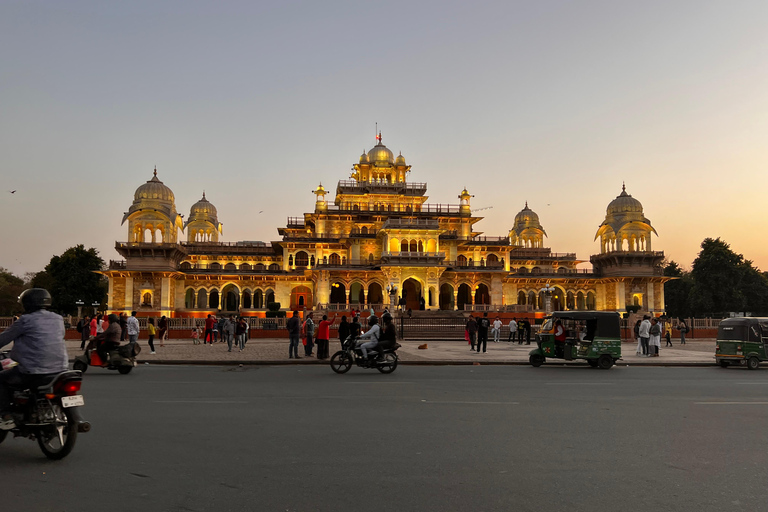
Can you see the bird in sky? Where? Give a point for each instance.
(262, 211)
(12, 191)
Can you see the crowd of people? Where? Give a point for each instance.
(649, 331)
(476, 331)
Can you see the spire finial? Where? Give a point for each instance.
(155, 171)
(526, 204)
(623, 187)
(203, 194)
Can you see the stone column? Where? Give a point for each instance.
(649, 298)
(456, 298)
(165, 294)
(129, 294)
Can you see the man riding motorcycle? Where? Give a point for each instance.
(39, 348)
(374, 333)
(110, 339)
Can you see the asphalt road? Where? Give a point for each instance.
(462, 438)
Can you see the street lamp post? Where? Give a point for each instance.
(95, 306)
(79, 304)
(548, 290)
(392, 290)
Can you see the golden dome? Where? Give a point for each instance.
(154, 189)
(364, 158)
(204, 211)
(527, 219)
(400, 160)
(380, 154)
(624, 203)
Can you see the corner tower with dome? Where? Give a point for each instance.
(378, 239)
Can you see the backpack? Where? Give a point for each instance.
(79, 327)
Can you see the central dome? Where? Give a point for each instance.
(527, 217)
(380, 154)
(153, 189)
(624, 203)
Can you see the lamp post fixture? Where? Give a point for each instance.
(95, 306)
(548, 290)
(392, 290)
(79, 304)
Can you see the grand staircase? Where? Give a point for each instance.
(431, 325)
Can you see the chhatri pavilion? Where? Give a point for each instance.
(377, 240)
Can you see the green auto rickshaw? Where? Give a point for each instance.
(742, 341)
(594, 336)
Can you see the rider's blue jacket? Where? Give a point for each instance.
(39, 346)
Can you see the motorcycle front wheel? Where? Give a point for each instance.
(58, 439)
(389, 364)
(341, 362)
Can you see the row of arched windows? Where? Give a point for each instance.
(258, 267)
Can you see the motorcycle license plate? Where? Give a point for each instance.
(72, 401)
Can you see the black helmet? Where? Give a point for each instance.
(34, 299)
(386, 317)
(373, 320)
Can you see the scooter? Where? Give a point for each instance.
(122, 359)
(350, 354)
(49, 413)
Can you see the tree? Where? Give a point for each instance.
(71, 277)
(11, 287)
(677, 291)
(723, 281)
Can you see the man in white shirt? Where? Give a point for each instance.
(132, 326)
(645, 333)
(496, 329)
(512, 330)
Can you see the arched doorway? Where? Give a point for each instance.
(375, 294)
(213, 299)
(269, 297)
(580, 302)
(558, 299)
(202, 299)
(356, 294)
(412, 293)
(301, 296)
(301, 260)
(247, 303)
(521, 298)
(258, 299)
(189, 299)
(591, 302)
(231, 298)
(482, 294)
(338, 293)
(446, 297)
(464, 297)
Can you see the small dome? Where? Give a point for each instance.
(380, 154)
(624, 203)
(527, 216)
(154, 189)
(364, 158)
(203, 208)
(400, 160)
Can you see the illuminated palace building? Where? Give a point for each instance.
(378, 235)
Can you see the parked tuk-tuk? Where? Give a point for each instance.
(742, 341)
(594, 336)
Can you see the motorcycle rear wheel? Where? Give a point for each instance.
(50, 439)
(80, 366)
(389, 364)
(124, 369)
(341, 362)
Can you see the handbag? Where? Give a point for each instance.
(466, 335)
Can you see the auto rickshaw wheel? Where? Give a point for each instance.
(605, 362)
(124, 370)
(592, 362)
(753, 363)
(724, 364)
(536, 360)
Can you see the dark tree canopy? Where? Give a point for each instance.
(11, 287)
(71, 277)
(677, 291)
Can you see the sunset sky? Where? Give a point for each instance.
(554, 103)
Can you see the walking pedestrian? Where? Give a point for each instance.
(132, 328)
(644, 333)
(216, 330)
(639, 349)
(84, 328)
(496, 329)
(355, 327)
(683, 327)
(512, 330)
(151, 331)
(240, 332)
(343, 330)
(162, 330)
(521, 331)
(229, 331)
(123, 326)
(655, 338)
(208, 335)
(220, 326)
(294, 328)
(527, 332)
(195, 335)
(472, 331)
(94, 325)
(668, 332)
(482, 332)
(323, 336)
(308, 331)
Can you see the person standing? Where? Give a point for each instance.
(527, 332)
(84, 328)
(512, 330)
(229, 331)
(654, 343)
(94, 325)
(644, 332)
(240, 333)
(355, 327)
(216, 330)
(99, 324)
(343, 330)
(220, 326)
(162, 330)
(482, 332)
(668, 332)
(294, 328)
(208, 336)
(683, 330)
(308, 330)
(472, 331)
(151, 331)
(637, 337)
(123, 326)
(132, 328)
(323, 336)
(496, 329)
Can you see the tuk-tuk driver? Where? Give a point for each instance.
(560, 336)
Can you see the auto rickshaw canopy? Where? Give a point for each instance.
(605, 324)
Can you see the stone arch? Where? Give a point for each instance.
(258, 299)
(301, 259)
(461, 260)
(269, 296)
(274, 267)
(375, 293)
(334, 259)
(413, 246)
(521, 298)
(446, 297)
(431, 245)
(247, 299)
(230, 267)
(482, 294)
(591, 300)
(202, 298)
(404, 246)
(213, 299)
(394, 245)
(230, 298)
(189, 299)
(464, 296)
(581, 300)
(356, 293)
(413, 291)
(338, 293)
(301, 297)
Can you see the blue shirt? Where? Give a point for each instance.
(39, 342)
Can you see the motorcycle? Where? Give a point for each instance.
(49, 413)
(350, 354)
(122, 359)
